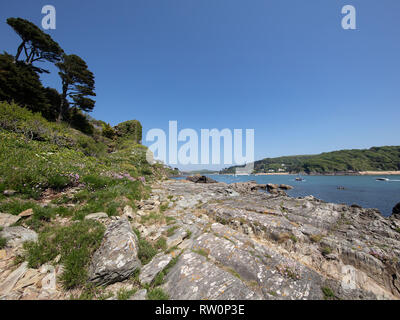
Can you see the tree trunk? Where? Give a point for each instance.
(62, 104)
(19, 50)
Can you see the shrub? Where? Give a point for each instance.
(3, 242)
(16, 206)
(58, 182)
(157, 294)
(131, 130)
(161, 244)
(96, 182)
(326, 250)
(108, 131)
(171, 231)
(124, 294)
(146, 250)
(75, 243)
(328, 293)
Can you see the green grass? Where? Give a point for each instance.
(157, 294)
(3, 242)
(234, 273)
(16, 206)
(326, 250)
(170, 220)
(328, 293)
(171, 231)
(152, 218)
(161, 244)
(163, 207)
(160, 278)
(201, 252)
(124, 294)
(76, 243)
(316, 238)
(146, 250)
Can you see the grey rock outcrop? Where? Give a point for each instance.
(116, 259)
(16, 236)
(97, 216)
(7, 220)
(195, 278)
(277, 247)
(154, 267)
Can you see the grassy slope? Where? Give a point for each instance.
(46, 161)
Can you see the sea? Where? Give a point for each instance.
(365, 191)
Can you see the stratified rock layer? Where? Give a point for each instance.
(116, 259)
(271, 246)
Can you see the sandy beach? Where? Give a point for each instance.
(377, 173)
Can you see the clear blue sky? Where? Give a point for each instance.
(284, 68)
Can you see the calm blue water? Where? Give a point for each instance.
(362, 190)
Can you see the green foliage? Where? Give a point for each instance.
(157, 294)
(161, 244)
(146, 250)
(75, 243)
(124, 294)
(3, 242)
(373, 159)
(328, 293)
(108, 131)
(163, 207)
(16, 206)
(94, 182)
(171, 231)
(79, 121)
(326, 250)
(130, 130)
(21, 84)
(77, 83)
(160, 278)
(37, 45)
(201, 252)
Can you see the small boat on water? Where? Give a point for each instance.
(299, 178)
(382, 179)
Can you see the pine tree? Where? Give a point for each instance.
(77, 84)
(37, 45)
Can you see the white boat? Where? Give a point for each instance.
(382, 179)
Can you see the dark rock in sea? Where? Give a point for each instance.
(200, 179)
(285, 187)
(396, 209)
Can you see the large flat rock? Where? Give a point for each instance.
(195, 278)
(154, 267)
(7, 220)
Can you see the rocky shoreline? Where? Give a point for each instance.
(232, 242)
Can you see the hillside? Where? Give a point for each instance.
(344, 161)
